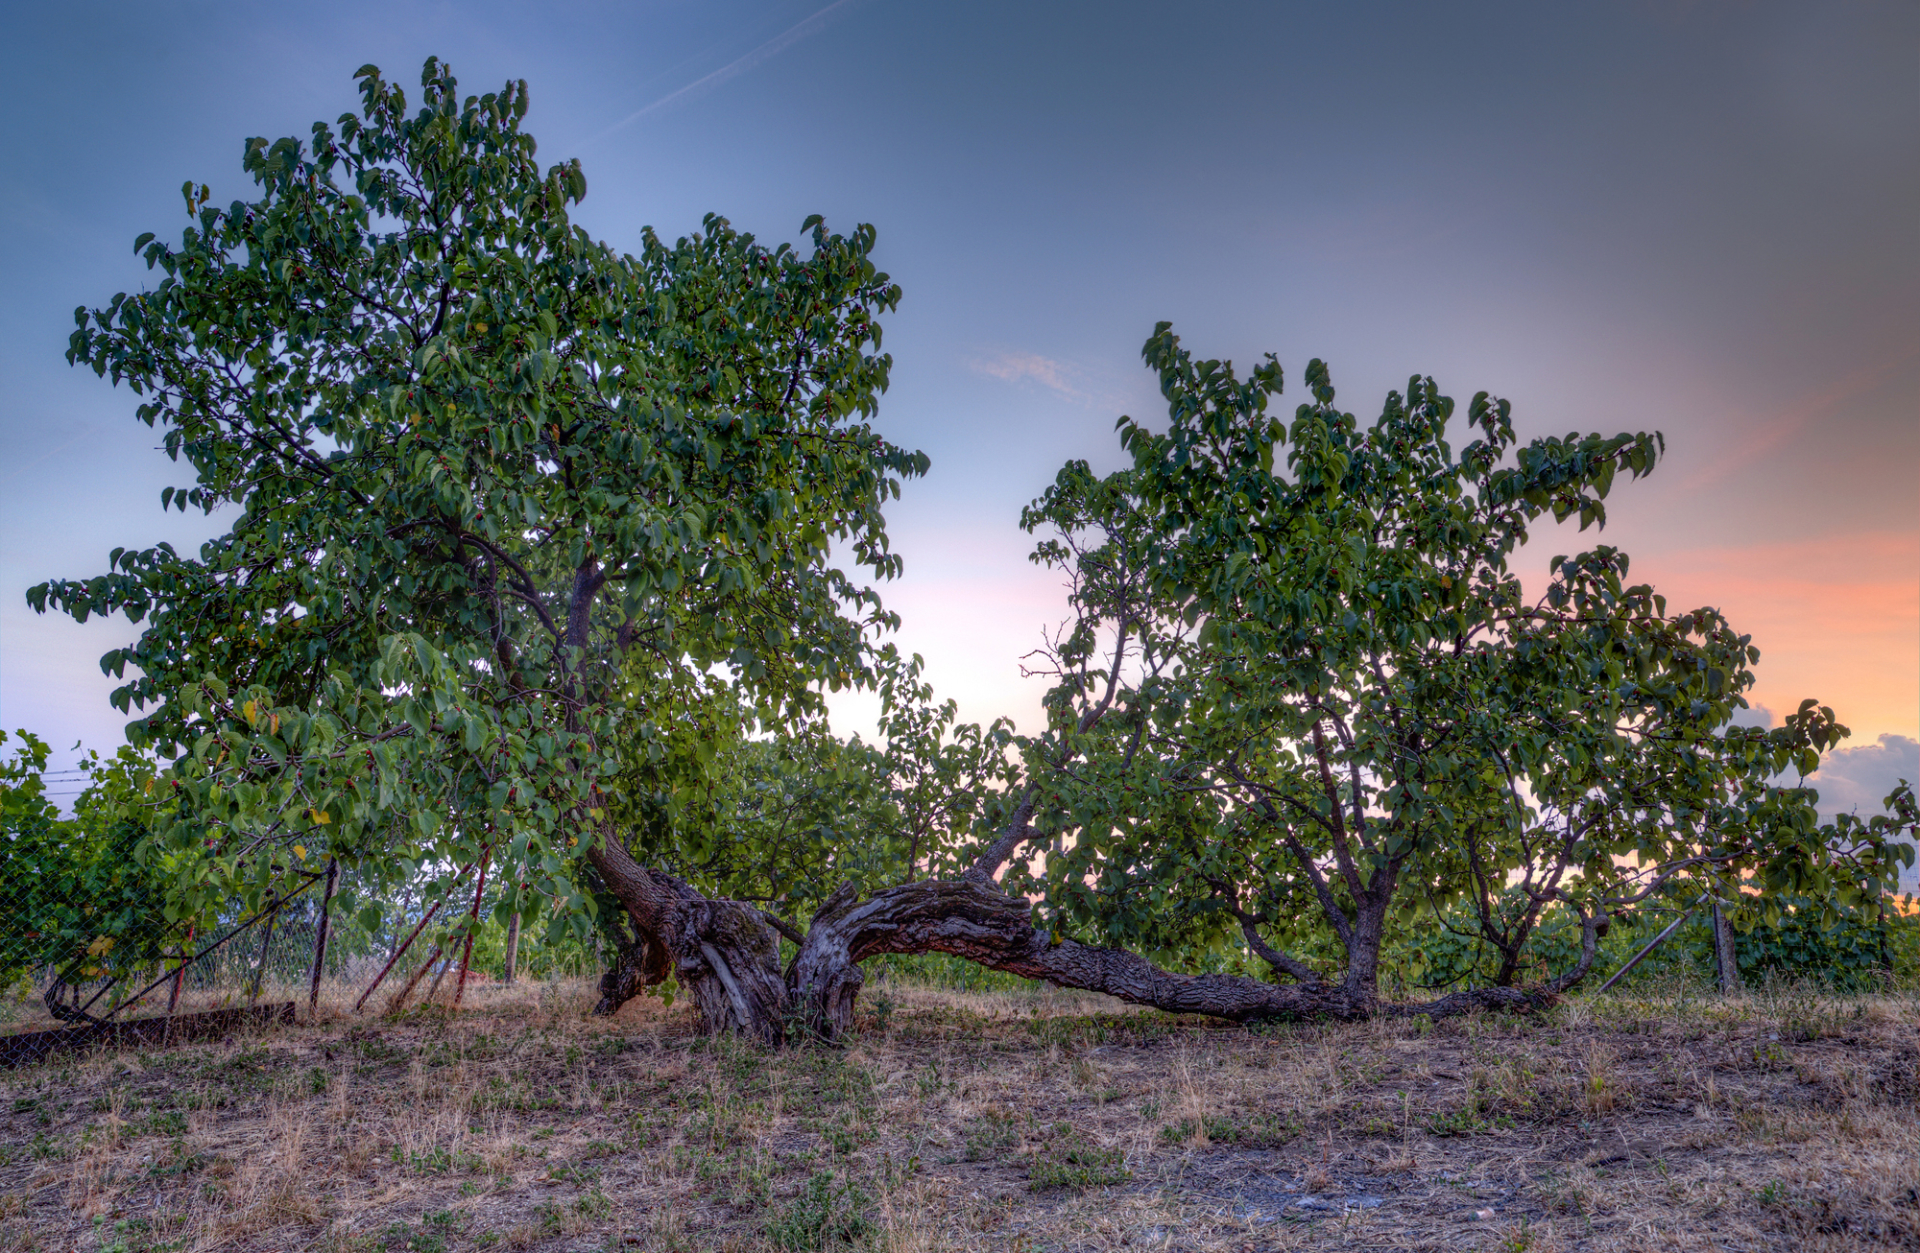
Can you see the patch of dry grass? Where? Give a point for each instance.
(1035, 1121)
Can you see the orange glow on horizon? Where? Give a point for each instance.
(1836, 618)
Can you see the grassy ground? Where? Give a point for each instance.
(1042, 1121)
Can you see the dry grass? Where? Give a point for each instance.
(991, 1122)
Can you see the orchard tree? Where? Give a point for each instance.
(1305, 698)
(504, 500)
(1327, 705)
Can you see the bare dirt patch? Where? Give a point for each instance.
(1052, 1121)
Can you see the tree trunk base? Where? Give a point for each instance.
(724, 953)
(637, 965)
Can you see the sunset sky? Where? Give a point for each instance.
(1698, 217)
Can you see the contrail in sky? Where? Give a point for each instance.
(733, 69)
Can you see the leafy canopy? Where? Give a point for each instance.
(1306, 696)
(505, 500)
(77, 904)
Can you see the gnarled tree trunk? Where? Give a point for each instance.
(638, 964)
(726, 953)
(973, 919)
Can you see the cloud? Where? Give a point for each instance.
(1028, 367)
(1857, 780)
(1834, 616)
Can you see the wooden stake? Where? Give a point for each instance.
(320, 938)
(473, 922)
(400, 997)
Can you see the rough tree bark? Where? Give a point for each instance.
(976, 921)
(638, 964)
(726, 954)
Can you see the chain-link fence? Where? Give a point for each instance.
(87, 953)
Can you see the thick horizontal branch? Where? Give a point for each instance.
(992, 929)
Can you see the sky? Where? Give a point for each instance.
(1684, 215)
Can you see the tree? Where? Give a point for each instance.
(1311, 701)
(1320, 699)
(505, 501)
(79, 906)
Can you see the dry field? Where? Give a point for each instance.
(1049, 1121)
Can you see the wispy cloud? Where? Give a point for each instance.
(1028, 367)
(1763, 437)
(800, 30)
(87, 432)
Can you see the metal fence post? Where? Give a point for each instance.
(404, 946)
(397, 955)
(180, 973)
(433, 989)
(266, 949)
(400, 998)
(1652, 944)
(320, 937)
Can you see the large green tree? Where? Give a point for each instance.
(1305, 698)
(504, 500)
(1326, 704)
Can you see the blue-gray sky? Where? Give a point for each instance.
(1697, 216)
